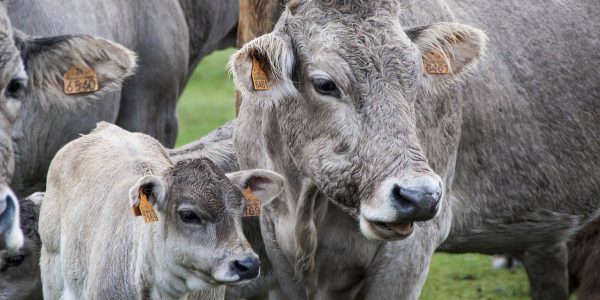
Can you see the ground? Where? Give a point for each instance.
(208, 102)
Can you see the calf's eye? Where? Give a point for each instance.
(326, 87)
(188, 216)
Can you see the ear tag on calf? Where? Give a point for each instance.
(259, 77)
(80, 79)
(253, 205)
(145, 209)
(435, 63)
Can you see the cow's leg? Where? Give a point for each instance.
(398, 272)
(52, 279)
(546, 267)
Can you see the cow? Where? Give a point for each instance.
(94, 247)
(394, 142)
(19, 269)
(170, 37)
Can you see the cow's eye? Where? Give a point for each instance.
(326, 87)
(188, 216)
(14, 260)
(16, 88)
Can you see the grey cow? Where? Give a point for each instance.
(389, 151)
(92, 245)
(170, 37)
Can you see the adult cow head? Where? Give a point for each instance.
(32, 70)
(343, 80)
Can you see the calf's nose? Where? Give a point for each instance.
(417, 199)
(246, 268)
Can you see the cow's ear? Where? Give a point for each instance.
(448, 51)
(265, 185)
(48, 59)
(153, 188)
(263, 68)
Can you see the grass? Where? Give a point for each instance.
(208, 102)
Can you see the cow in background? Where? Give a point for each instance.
(170, 37)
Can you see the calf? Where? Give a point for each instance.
(92, 245)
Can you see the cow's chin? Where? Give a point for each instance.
(384, 230)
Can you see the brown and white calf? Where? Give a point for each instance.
(92, 245)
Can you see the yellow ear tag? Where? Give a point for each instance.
(435, 63)
(253, 205)
(80, 79)
(145, 209)
(259, 77)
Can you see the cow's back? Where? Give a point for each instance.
(529, 151)
(86, 217)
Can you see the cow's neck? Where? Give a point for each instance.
(211, 24)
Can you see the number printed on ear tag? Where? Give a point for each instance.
(259, 77)
(80, 79)
(253, 205)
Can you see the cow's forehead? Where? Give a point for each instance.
(352, 49)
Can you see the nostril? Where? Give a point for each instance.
(246, 268)
(405, 200)
(240, 267)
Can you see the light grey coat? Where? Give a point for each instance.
(516, 144)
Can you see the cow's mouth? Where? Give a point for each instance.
(390, 231)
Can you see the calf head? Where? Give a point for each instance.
(343, 79)
(199, 235)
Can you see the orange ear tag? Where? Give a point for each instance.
(435, 63)
(259, 77)
(145, 209)
(253, 205)
(80, 79)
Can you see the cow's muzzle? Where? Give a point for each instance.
(390, 215)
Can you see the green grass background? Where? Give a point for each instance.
(208, 102)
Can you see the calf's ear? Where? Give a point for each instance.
(263, 68)
(448, 51)
(48, 59)
(265, 185)
(153, 187)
